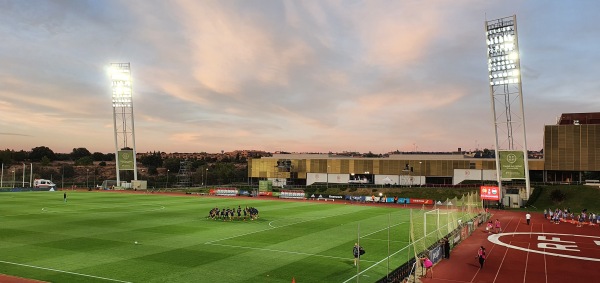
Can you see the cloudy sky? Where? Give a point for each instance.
(302, 76)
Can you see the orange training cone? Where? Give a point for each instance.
(293, 280)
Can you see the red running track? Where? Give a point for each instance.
(541, 252)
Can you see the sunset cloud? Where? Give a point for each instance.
(305, 76)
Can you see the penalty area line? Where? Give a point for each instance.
(287, 252)
(63, 271)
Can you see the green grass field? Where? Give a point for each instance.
(91, 239)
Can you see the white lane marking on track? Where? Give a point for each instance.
(63, 271)
(545, 266)
(496, 240)
(487, 255)
(526, 261)
(282, 251)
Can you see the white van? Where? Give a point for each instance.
(43, 184)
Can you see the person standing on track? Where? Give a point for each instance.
(528, 217)
(497, 226)
(481, 256)
(427, 264)
(446, 245)
(65, 196)
(489, 227)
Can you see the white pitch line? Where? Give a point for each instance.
(49, 210)
(377, 263)
(62, 271)
(381, 230)
(385, 240)
(282, 251)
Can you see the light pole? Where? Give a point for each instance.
(167, 185)
(13, 171)
(62, 178)
(206, 179)
(87, 173)
(421, 173)
(328, 176)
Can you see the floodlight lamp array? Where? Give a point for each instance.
(121, 86)
(503, 54)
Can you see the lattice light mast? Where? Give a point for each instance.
(504, 70)
(122, 101)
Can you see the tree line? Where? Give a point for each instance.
(207, 170)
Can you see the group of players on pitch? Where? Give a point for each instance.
(230, 214)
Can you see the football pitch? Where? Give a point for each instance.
(92, 238)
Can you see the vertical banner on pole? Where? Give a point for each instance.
(126, 160)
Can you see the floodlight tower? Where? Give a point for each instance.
(122, 102)
(506, 92)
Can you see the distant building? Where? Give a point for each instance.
(571, 147)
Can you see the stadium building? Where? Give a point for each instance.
(571, 148)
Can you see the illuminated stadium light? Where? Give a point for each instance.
(504, 75)
(124, 132)
(120, 75)
(502, 49)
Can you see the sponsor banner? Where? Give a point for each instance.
(489, 193)
(229, 192)
(372, 199)
(512, 164)
(295, 194)
(464, 233)
(325, 196)
(389, 200)
(420, 201)
(267, 194)
(456, 239)
(244, 193)
(316, 196)
(265, 185)
(403, 200)
(435, 254)
(126, 159)
(356, 198)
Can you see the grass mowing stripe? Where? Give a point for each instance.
(178, 244)
(63, 271)
(271, 227)
(288, 252)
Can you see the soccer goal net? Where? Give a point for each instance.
(427, 227)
